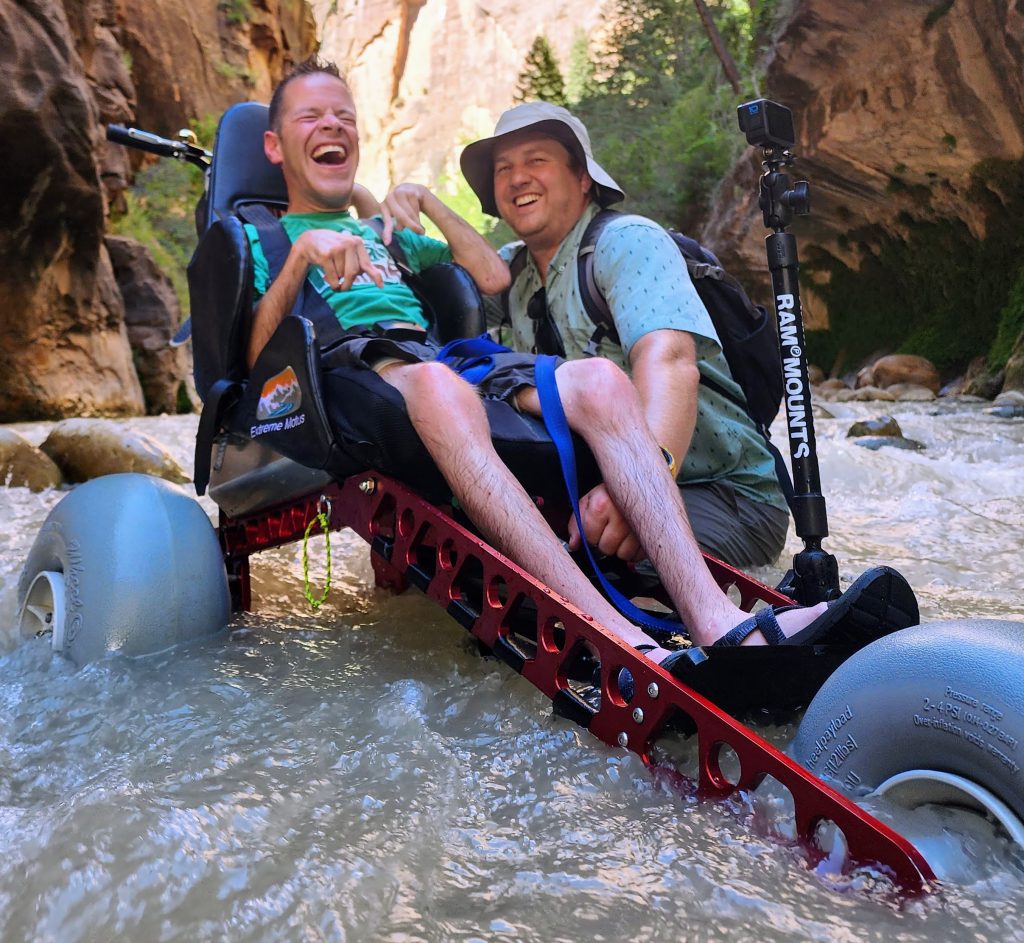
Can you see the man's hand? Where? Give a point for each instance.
(605, 527)
(341, 255)
(402, 208)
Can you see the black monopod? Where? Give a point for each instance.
(768, 125)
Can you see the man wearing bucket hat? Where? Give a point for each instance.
(538, 173)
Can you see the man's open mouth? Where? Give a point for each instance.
(526, 199)
(332, 154)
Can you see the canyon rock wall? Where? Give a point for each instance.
(430, 75)
(68, 68)
(61, 315)
(895, 106)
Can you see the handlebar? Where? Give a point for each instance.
(154, 144)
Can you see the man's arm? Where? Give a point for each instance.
(402, 208)
(342, 256)
(665, 374)
(364, 202)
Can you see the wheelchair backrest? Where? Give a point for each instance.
(240, 172)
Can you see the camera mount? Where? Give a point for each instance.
(814, 577)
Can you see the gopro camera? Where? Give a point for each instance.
(767, 124)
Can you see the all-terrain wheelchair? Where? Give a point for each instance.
(277, 450)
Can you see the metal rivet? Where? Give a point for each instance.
(368, 486)
(638, 715)
(653, 690)
(623, 739)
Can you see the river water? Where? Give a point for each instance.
(363, 774)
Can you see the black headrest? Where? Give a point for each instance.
(240, 172)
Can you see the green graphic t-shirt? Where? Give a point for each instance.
(364, 303)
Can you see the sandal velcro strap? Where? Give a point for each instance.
(762, 621)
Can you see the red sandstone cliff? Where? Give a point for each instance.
(68, 68)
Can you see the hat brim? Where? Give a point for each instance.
(477, 163)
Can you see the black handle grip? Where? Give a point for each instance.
(144, 141)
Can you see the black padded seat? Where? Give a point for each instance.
(241, 173)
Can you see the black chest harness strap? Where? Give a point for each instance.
(308, 303)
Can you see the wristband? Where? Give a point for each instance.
(670, 459)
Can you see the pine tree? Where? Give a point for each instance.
(541, 79)
(580, 82)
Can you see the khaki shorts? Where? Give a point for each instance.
(734, 528)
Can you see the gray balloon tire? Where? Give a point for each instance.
(142, 567)
(944, 696)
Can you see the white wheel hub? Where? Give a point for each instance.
(43, 611)
(919, 787)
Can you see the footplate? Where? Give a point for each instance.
(414, 542)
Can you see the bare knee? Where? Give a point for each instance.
(433, 388)
(595, 392)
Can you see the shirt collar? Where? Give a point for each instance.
(566, 253)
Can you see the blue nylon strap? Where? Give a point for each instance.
(471, 357)
(558, 428)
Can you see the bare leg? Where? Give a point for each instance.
(602, 406)
(490, 494)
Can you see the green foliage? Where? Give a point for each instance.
(160, 212)
(459, 196)
(233, 73)
(1011, 325)
(541, 78)
(183, 404)
(940, 292)
(661, 117)
(580, 80)
(236, 12)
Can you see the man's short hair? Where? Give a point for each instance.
(313, 65)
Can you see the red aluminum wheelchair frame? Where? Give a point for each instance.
(415, 542)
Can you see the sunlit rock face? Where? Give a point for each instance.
(895, 105)
(428, 76)
(192, 58)
(63, 344)
(68, 69)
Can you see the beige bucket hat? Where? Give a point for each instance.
(477, 160)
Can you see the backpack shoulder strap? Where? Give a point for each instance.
(515, 268)
(594, 302)
(273, 239)
(276, 245)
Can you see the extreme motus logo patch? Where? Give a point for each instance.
(280, 396)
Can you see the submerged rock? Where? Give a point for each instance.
(882, 426)
(89, 448)
(875, 442)
(1008, 405)
(1006, 412)
(911, 393)
(22, 465)
(864, 394)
